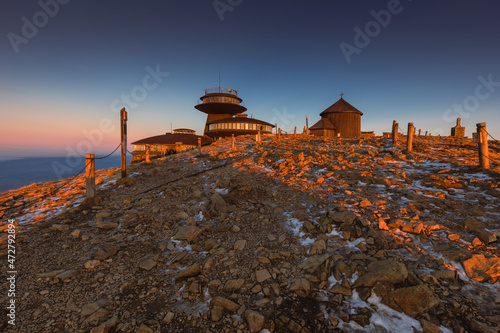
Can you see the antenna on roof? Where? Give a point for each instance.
(219, 78)
(171, 131)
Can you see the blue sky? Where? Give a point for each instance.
(426, 62)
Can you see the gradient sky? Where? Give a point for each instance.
(423, 63)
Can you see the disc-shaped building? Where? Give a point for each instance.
(225, 115)
(339, 120)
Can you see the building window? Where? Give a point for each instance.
(246, 126)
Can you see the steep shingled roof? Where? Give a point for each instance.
(323, 123)
(340, 106)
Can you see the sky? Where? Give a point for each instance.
(68, 66)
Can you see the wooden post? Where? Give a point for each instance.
(484, 161)
(148, 149)
(232, 141)
(395, 128)
(426, 133)
(279, 133)
(199, 146)
(409, 140)
(90, 175)
(123, 126)
(295, 131)
(260, 139)
(419, 132)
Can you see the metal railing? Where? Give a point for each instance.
(220, 90)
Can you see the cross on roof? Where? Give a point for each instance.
(342, 95)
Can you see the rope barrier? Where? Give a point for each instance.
(491, 136)
(189, 176)
(101, 158)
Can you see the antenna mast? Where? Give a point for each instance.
(219, 79)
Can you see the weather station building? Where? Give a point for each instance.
(226, 117)
(169, 143)
(339, 120)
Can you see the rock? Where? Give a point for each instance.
(300, 284)
(60, 227)
(100, 329)
(235, 284)
(147, 264)
(413, 300)
(411, 226)
(169, 317)
(473, 224)
(485, 236)
(104, 253)
(429, 327)
(181, 216)
(240, 244)
(217, 312)
(382, 271)
(190, 271)
(217, 201)
(262, 275)
(91, 264)
(50, 274)
(67, 274)
(347, 216)
(105, 225)
(76, 233)
(255, 320)
(314, 261)
(225, 303)
(301, 214)
(145, 329)
(446, 275)
(318, 246)
(481, 269)
(338, 289)
(187, 233)
(90, 308)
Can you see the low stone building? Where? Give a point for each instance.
(169, 143)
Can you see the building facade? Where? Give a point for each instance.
(339, 120)
(226, 117)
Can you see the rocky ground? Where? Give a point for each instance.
(296, 235)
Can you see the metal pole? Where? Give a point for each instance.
(409, 141)
(90, 175)
(123, 126)
(484, 161)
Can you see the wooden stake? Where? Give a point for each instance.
(409, 142)
(199, 146)
(123, 126)
(295, 131)
(148, 149)
(90, 175)
(232, 141)
(395, 128)
(484, 161)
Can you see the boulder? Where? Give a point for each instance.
(481, 269)
(188, 272)
(347, 216)
(382, 271)
(413, 300)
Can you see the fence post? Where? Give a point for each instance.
(148, 149)
(409, 141)
(295, 131)
(260, 138)
(123, 126)
(279, 134)
(395, 128)
(232, 141)
(199, 146)
(90, 175)
(484, 161)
